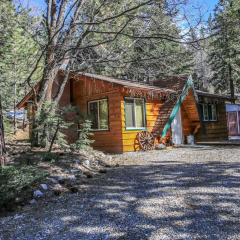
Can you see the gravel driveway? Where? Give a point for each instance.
(185, 193)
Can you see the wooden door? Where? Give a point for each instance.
(233, 123)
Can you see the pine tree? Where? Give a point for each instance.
(224, 47)
(17, 54)
(144, 59)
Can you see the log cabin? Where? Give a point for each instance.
(121, 110)
(214, 124)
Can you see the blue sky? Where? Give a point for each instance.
(207, 5)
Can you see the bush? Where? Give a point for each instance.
(14, 181)
(50, 124)
(50, 157)
(84, 140)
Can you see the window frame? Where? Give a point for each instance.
(144, 114)
(98, 115)
(206, 118)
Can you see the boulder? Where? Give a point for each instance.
(38, 194)
(102, 171)
(53, 180)
(75, 171)
(33, 201)
(44, 186)
(86, 163)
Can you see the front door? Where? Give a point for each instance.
(177, 132)
(233, 123)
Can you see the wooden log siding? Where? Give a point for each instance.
(81, 89)
(117, 138)
(152, 108)
(86, 89)
(214, 130)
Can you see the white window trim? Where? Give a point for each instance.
(215, 106)
(206, 119)
(98, 101)
(144, 114)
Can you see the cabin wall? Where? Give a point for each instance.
(86, 89)
(190, 115)
(129, 136)
(186, 124)
(215, 130)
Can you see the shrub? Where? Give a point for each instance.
(50, 124)
(84, 139)
(14, 181)
(50, 157)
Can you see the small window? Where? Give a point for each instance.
(209, 112)
(98, 111)
(135, 113)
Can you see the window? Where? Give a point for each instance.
(98, 111)
(135, 113)
(209, 112)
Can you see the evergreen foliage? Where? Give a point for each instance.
(84, 139)
(51, 124)
(15, 181)
(224, 47)
(139, 58)
(18, 53)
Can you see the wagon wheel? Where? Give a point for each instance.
(146, 140)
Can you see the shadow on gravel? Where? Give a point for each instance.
(164, 200)
(167, 199)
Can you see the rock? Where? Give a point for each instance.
(38, 194)
(58, 189)
(72, 178)
(18, 216)
(18, 200)
(73, 189)
(87, 163)
(160, 146)
(88, 174)
(33, 201)
(61, 179)
(53, 180)
(106, 237)
(77, 161)
(57, 192)
(75, 171)
(102, 171)
(44, 186)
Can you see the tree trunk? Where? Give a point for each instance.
(14, 109)
(232, 90)
(2, 139)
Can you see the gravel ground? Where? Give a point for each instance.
(185, 193)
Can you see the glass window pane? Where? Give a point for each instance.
(201, 111)
(214, 112)
(205, 112)
(93, 111)
(103, 114)
(210, 117)
(129, 113)
(139, 109)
